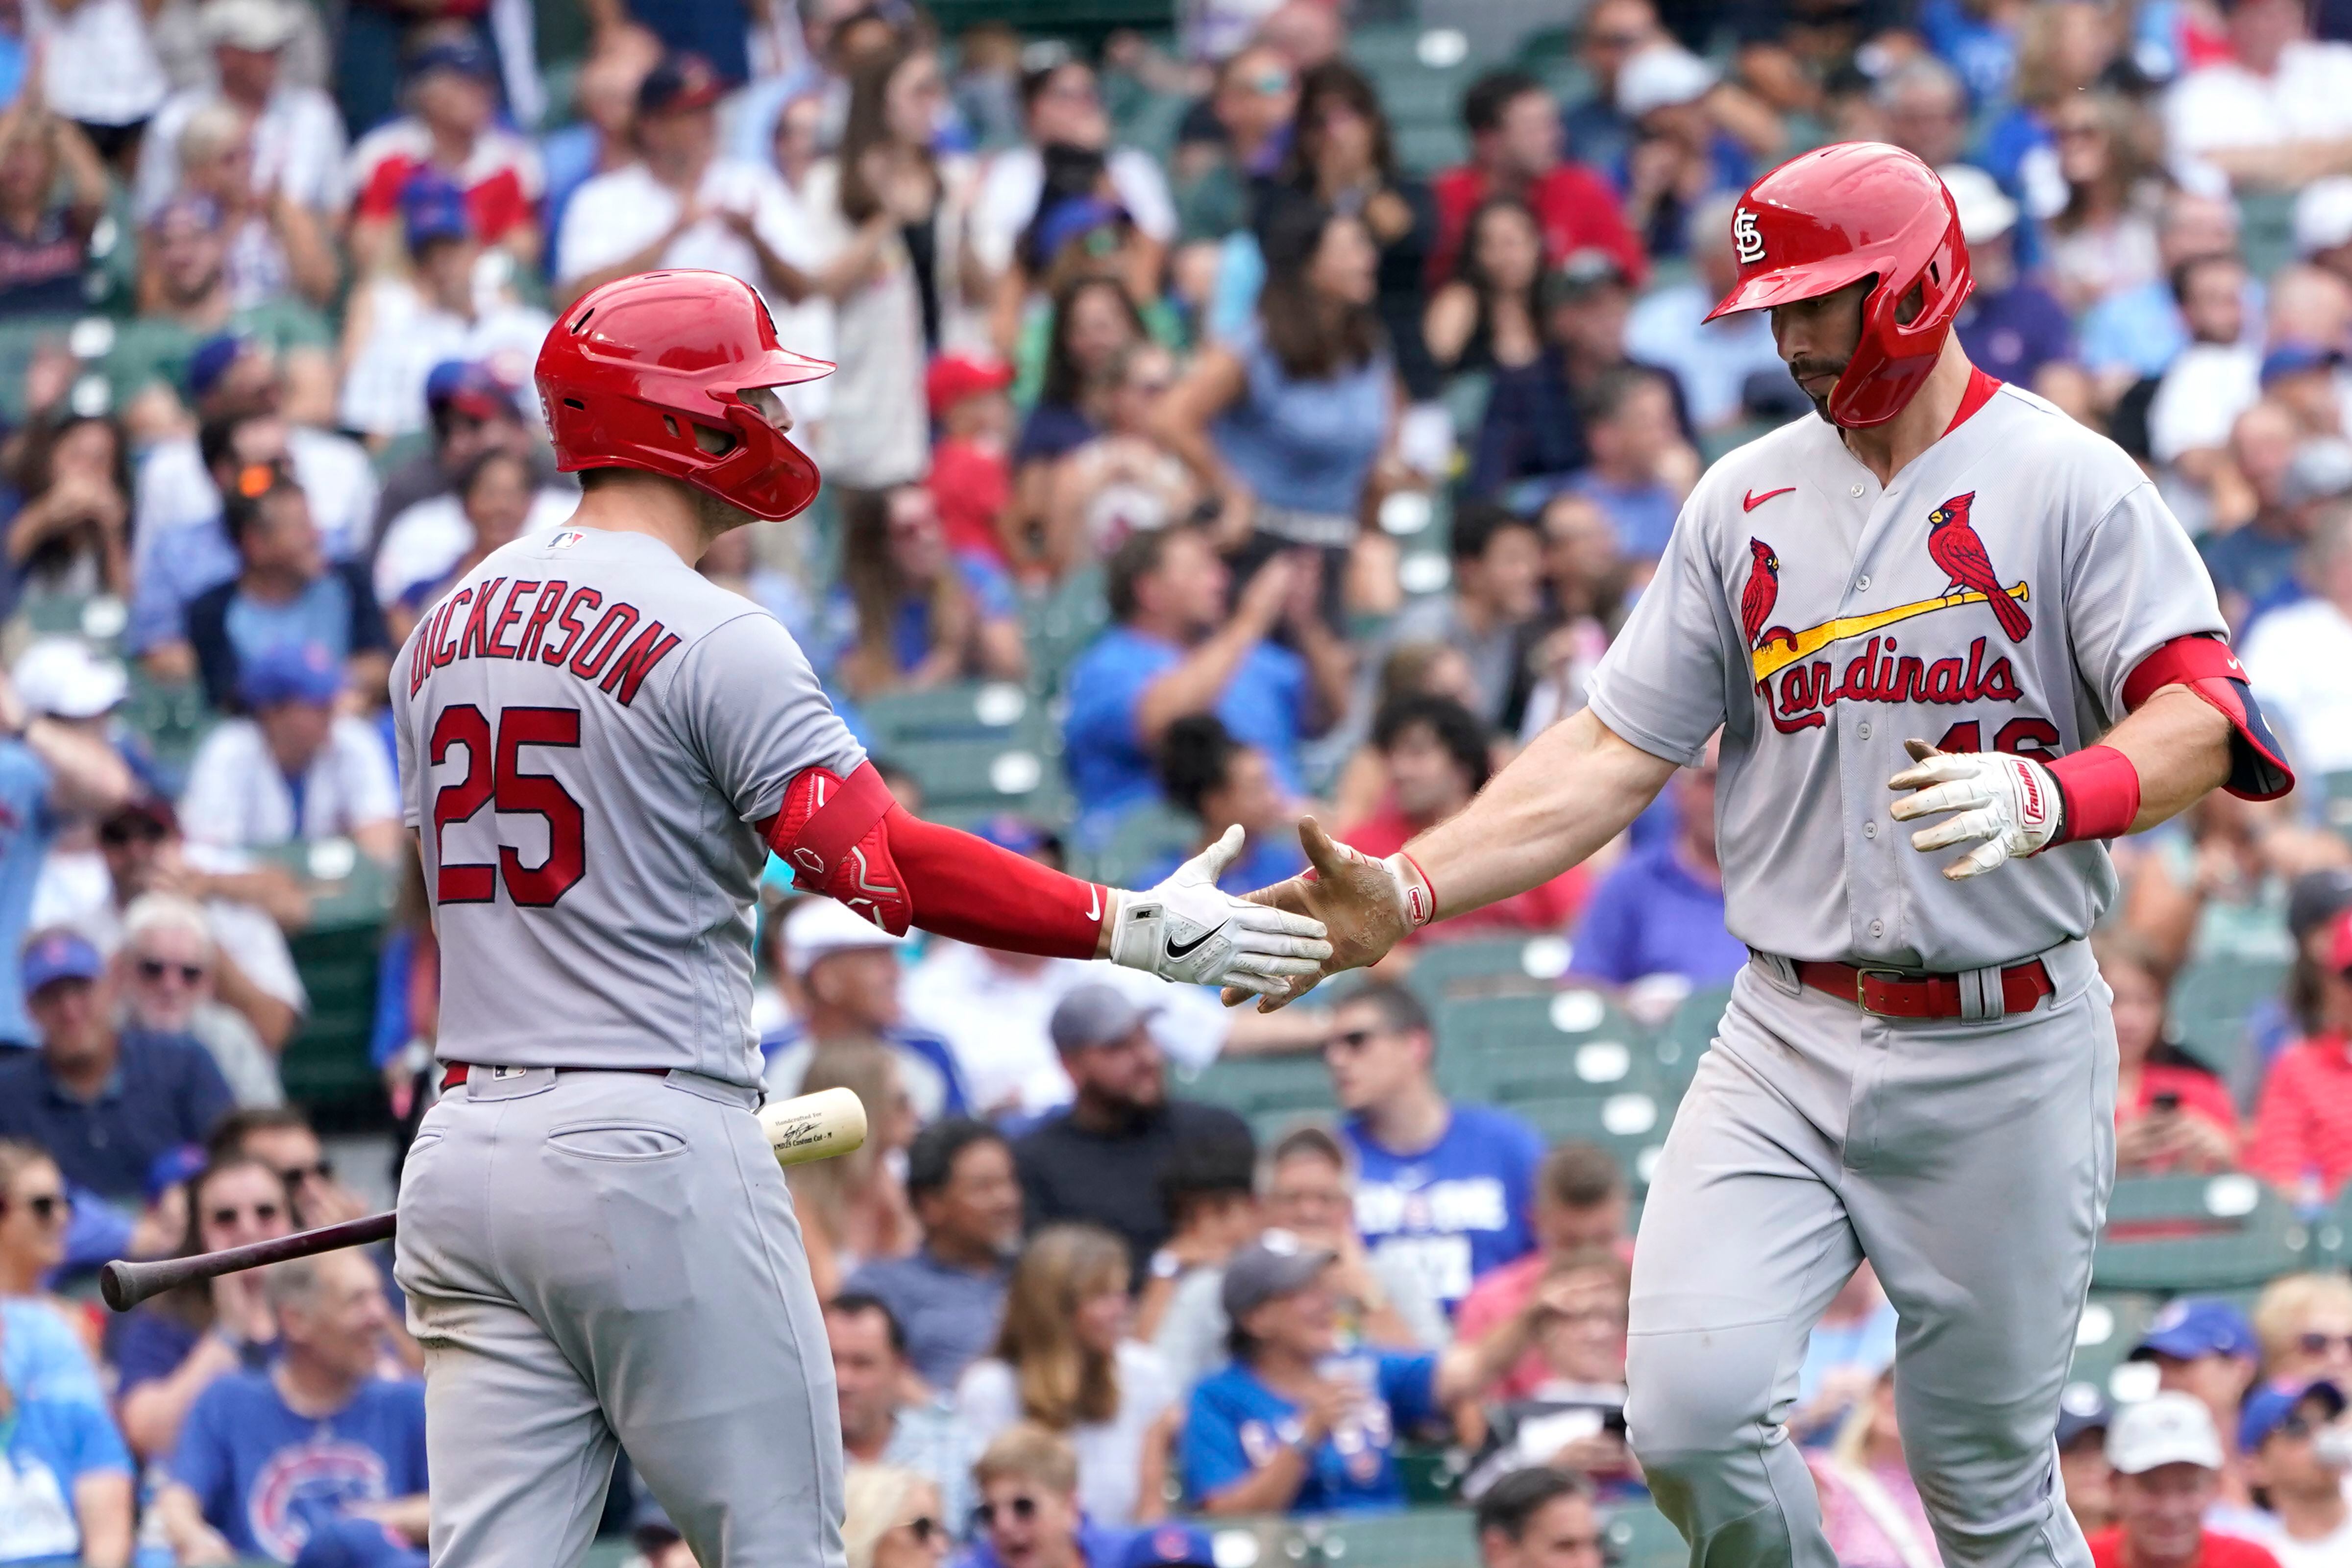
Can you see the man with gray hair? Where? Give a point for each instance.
(269, 1462)
(167, 965)
(2299, 659)
(1927, 110)
(1711, 360)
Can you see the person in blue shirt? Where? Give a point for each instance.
(268, 1459)
(287, 593)
(911, 613)
(1177, 651)
(1297, 1424)
(65, 1482)
(1222, 783)
(1660, 910)
(847, 974)
(1630, 428)
(1444, 1189)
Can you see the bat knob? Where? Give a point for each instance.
(120, 1286)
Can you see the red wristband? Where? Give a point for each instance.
(2099, 790)
(1426, 912)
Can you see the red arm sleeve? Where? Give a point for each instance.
(2258, 767)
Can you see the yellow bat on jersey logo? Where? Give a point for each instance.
(1782, 649)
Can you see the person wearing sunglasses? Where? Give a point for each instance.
(2297, 1449)
(1029, 1515)
(891, 1519)
(41, 1356)
(281, 1138)
(65, 1479)
(166, 970)
(2305, 1324)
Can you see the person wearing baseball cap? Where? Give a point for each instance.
(449, 87)
(2204, 1348)
(2302, 1141)
(2084, 1418)
(845, 976)
(2297, 1449)
(2167, 1454)
(971, 467)
(299, 145)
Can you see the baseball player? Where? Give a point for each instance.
(1941, 601)
(598, 748)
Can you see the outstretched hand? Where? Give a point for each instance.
(1360, 901)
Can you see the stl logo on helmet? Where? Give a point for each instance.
(1745, 237)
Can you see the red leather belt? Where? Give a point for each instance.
(1891, 993)
(458, 1072)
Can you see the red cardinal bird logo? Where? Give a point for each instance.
(1763, 589)
(1953, 545)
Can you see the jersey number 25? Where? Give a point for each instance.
(495, 778)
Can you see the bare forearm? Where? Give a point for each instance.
(103, 1508)
(91, 776)
(1271, 1488)
(273, 1020)
(2180, 747)
(2287, 164)
(1193, 686)
(1574, 788)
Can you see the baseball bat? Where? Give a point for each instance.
(807, 1127)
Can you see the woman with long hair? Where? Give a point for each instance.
(2102, 240)
(72, 534)
(495, 493)
(45, 242)
(1063, 1361)
(1486, 317)
(1094, 322)
(853, 1208)
(45, 1353)
(1870, 1509)
(2173, 1116)
(920, 615)
(174, 1348)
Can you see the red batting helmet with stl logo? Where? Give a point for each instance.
(1833, 217)
(649, 372)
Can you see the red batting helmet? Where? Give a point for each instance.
(632, 370)
(1834, 216)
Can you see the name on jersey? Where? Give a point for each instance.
(549, 622)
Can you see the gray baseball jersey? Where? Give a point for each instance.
(588, 728)
(1996, 596)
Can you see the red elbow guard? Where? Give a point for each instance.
(2099, 789)
(830, 832)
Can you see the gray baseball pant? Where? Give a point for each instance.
(1970, 1163)
(603, 1259)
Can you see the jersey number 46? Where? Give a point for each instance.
(494, 777)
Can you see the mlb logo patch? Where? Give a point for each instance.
(566, 540)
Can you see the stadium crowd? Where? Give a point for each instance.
(1288, 402)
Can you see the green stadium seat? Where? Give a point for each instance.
(1142, 843)
(962, 779)
(1629, 1124)
(962, 712)
(1473, 966)
(1686, 1035)
(1282, 1086)
(171, 718)
(2211, 1001)
(2205, 1233)
(1643, 1538)
(325, 1066)
(1419, 1538)
(2331, 1238)
(2336, 793)
(1058, 626)
(1566, 1043)
(2111, 1324)
(2266, 230)
(1425, 148)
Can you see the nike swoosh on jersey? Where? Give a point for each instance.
(1182, 949)
(1751, 501)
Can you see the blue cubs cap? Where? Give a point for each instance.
(2194, 1326)
(679, 82)
(2293, 359)
(458, 54)
(1073, 217)
(211, 362)
(292, 672)
(172, 1167)
(2082, 1407)
(59, 954)
(469, 388)
(1167, 1543)
(433, 208)
(2271, 1405)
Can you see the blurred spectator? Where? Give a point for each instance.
(970, 480)
(2171, 1114)
(94, 65)
(1850, 1344)
(892, 1517)
(2304, 1322)
(846, 982)
(1712, 360)
(1485, 317)
(2309, 311)
(277, 248)
(1871, 1510)
(1101, 1159)
(399, 325)
(1342, 155)
(920, 612)
(2084, 1418)
(2297, 1467)
(2218, 375)
(42, 1355)
(2315, 997)
(1293, 1425)
(1061, 108)
(854, 1207)
(71, 535)
(495, 503)
(2276, 111)
(1539, 1517)
(1210, 1193)
(1640, 469)
(2299, 659)
(1580, 1206)
(296, 769)
(1438, 757)
(287, 593)
(65, 1477)
(1093, 322)
(1533, 428)
(281, 1138)
(949, 1294)
(1251, 104)
(1177, 650)
(1574, 1417)
(2302, 1140)
(166, 973)
(1446, 1185)
(2010, 325)
(880, 1424)
(1408, 669)
(1681, 154)
(2102, 241)
(2202, 1347)
(1124, 480)
(44, 234)
(449, 88)
(1306, 1191)
(1029, 1515)
(106, 1102)
(603, 139)
(733, 562)
(1660, 910)
(1489, 609)
(468, 410)
(2214, 887)
(2289, 480)
(2135, 332)
(170, 1349)
(52, 770)
(2167, 1460)
(299, 145)
(1063, 1361)
(1927, 110)
(1221, 783)
(322, 1409)
(1610, 33)
(1515, 151)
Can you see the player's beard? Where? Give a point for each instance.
(717, 517)
(1804, 365)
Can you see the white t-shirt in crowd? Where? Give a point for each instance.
(1015, 177)
(408, 334)
(102, 68)
(298, 147)
(2308, 99)
(2299, 659)
(2204, 390)
(237, 798)
(878, 432)
(1110, 1452)
(424, 541)
(617, 214)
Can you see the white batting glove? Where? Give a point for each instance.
(2009, 802)
(1186, 929)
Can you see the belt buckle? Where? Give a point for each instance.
(1862, 974)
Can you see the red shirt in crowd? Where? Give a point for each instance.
(501, 178)
(2304, 1125)
(2213, 1550)
(1494, 1299)
(972, 484)
(1546, 907)
(1575, 208)
(2200, 1094)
